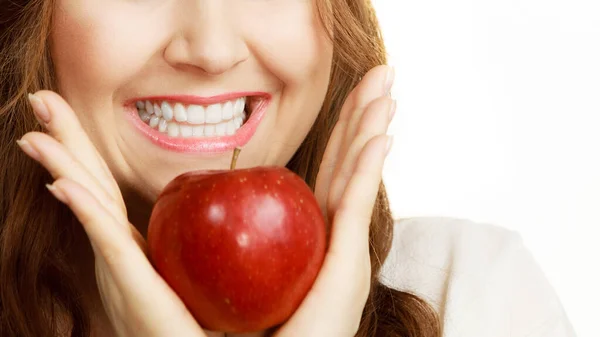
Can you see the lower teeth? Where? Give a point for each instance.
(175, 129)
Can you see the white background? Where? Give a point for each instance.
(498, 121)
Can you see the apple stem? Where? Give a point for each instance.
(236, 153)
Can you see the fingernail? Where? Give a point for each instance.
(388, 145)
(28, 149)
(392, 109)
(57, 193)
(39, 108)
(389, 80)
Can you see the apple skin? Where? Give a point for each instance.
(241, 248)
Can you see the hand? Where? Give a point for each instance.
(352, 164)
(136, 299)
(347, 187)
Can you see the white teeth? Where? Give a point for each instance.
(196, 114)
(177, 120)
(185, 130)
(221, 129)
(157, 110)
(180, 114)
(238, 121)
(154, 121)
(166, 107)
(144, 116)
(227, 112)
(168, 114)
(162, 125)
(239, 106)
(231, 128)
(173, 129)
(198, 131)
(209, 130)
(213, 113)
(149, 107)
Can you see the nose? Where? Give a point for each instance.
(207, 38)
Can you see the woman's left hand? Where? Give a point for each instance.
(347, 185)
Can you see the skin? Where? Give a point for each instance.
(108, 51)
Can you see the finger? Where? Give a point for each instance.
(343, 284)
(374, 90)
(130, 271)
(380, 87)
(61, 163)
(374, 121)
(62, 123)
(353, 214)
(107, 238)
(370, 87)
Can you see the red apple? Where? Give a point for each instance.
(241, 248)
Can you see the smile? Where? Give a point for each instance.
(193, 120)
(196, 124)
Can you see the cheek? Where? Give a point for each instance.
(80, 51)
(294, 47)
(96, 47)
(291, 43)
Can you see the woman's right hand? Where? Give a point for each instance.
(137, 300)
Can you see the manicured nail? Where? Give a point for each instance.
(392, 109)
(57, 193)
(389, 81)
(39, 108)
(28, 149)
(388, 145)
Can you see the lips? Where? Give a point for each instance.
(199, 134)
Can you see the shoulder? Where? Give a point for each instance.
(480, 277)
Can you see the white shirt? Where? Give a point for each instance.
(480, 278)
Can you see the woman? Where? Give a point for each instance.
(138, 92)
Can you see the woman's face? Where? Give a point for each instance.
(162, 86)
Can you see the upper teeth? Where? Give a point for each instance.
(176, 119)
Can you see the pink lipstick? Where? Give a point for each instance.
(256, 106)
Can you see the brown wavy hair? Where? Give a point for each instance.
(37, 282)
